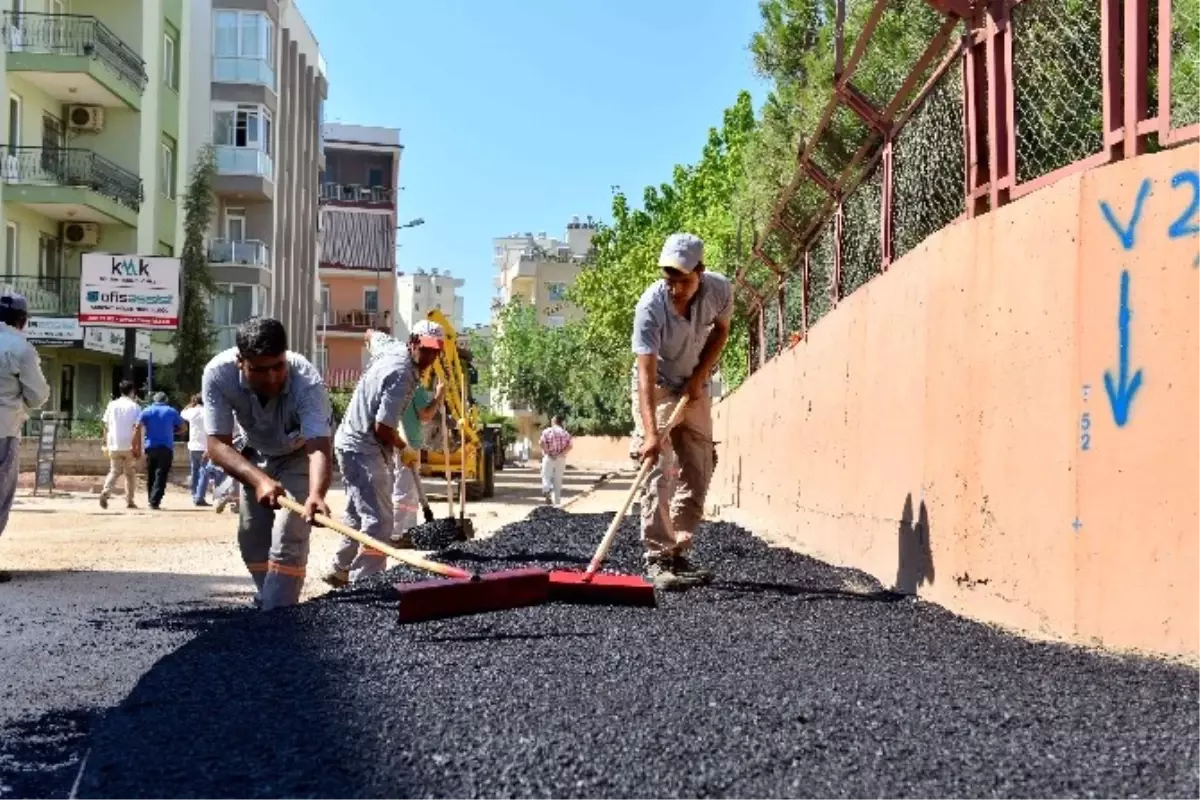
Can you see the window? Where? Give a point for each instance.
(557, 292)
(166, 167)
(231, 305)
(555, 322)
(14, 121)
(370, 300)
(326, 309)
(87, 389)
(49, 258)
(171, 58)
(243, 34)
(12, 235)
(235, 224)
(375, 176)
(243, 126)
(437, 289)
(417, 289)
(322, 359)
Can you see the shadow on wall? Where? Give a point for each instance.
(914, 565)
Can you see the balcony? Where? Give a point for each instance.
(358, 321)
(245, 172)
(258, 71)
(47, 297)
(75, 59)
(247, 252)
(71, 183)
(357, 195)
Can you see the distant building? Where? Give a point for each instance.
(358, 250)
(418, 292)
(542, 269)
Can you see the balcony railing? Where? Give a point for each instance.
(70, 166)
(47, 297)
(244, 161)
(250, 252)
(73, 35)
(359, 319)
(356, 193)
(227, 69)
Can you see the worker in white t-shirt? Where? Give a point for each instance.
(123, 447)
(193, 415)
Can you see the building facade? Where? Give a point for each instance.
(94, 127)
(358, 194)
(541, 269)
(257, 94)
(419, 292)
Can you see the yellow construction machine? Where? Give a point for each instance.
(458, 448)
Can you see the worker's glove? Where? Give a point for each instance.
(409, 457)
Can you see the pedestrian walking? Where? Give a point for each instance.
(555, 443)
(122, 443)
(366, 442)
(680, 327)
(198, 475)
(225, 488)
(278, 399)
(158, 423)
(22, 387)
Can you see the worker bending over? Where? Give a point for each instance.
(679, 330)
(365, 442)
(406, 499)
(280, 402)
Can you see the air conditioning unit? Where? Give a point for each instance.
(81, 234)
(85, 118)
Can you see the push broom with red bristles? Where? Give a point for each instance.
(464, 593)
(594, 587)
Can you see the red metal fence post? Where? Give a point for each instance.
(885, 201)
(1137, 58)
(1001, 136)
(837, 254)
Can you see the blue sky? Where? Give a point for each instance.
(516, 115)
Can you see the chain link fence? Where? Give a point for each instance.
(820, 274)
(753, 346)
(928, 166)
(793, 303)
(1057, 84)
(771, 344)
(862, 248)
(1185, 62)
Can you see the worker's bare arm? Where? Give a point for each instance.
(714, 345)
(222, 453)
(647, 368)
(320, 476)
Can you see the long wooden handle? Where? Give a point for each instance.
(408, 558)
(647, 464)
(446, 460)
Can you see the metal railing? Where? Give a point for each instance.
(70, 166)
(244, 161)
(73, 35)
(360, 318)
(997, 100)
(230, 69)
(45, 296)
(355, 193)
(250, 252)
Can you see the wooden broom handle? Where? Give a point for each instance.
(647, 465)
(408, 558)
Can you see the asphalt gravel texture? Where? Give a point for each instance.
(439, 534)
(784, 678)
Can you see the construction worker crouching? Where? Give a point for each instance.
(365, 442)
(680, 327)
(278, 399)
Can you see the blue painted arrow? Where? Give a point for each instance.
(1121, 392)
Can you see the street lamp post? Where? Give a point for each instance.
(412, 223)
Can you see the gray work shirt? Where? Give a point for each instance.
(382, 393)
(660, 330)
(283, 424)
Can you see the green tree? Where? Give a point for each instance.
(193, 339)
(480, 347)
(531, 363)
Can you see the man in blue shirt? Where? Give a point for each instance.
(158, 422)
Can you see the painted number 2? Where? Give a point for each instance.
(1186, 224)
(1085, 437)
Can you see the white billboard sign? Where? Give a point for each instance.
(54, 332)
(129, 291)
(112, 341)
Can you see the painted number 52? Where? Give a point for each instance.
(1085, 438)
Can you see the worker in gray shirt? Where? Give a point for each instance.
(22, 387)
(680, 327)
(279, 400)
(370, 429)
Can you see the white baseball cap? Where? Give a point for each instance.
(682, 251)
(429, 334)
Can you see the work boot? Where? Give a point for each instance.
(402, 542)
(5, 576)
(681, 565)
(221, 503)
(662, 573)
(337, 578)
(103, 500)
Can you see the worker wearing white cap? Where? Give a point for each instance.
(365, 441)
(680, 327)
(22, 387)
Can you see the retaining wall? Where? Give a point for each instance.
(84, 457)
(605, 450)
(1006, 421)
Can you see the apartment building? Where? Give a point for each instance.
(358, 254)
(541, 269)
(257, 94)
(94, 126)
(419, 292)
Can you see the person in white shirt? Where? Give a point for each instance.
(22, 387)
(193, 415)
(124, 448)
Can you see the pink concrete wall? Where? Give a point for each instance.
(948, 428)
(601, 450)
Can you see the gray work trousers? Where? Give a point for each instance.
(274, 543)
(368, 481)
(9, 470)
(672, 498)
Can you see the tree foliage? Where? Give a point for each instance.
(193, 339)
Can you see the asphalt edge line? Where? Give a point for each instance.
(79, 775)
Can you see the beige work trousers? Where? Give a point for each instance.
(672, 498)
(121, 462)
